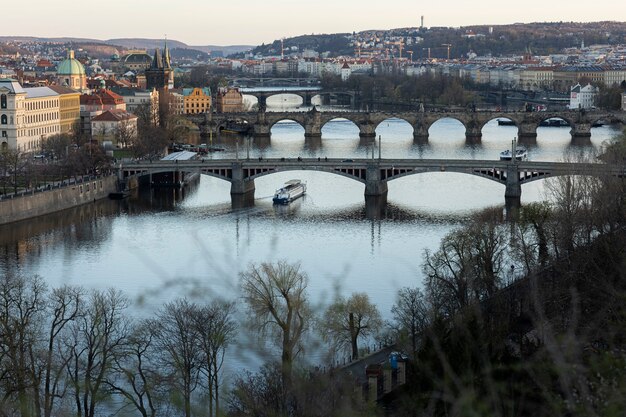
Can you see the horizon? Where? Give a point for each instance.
(191, 44)
(248, 29)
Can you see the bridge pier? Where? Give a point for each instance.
(262, 131)
(240, 185)
(420, 134)
(367, 131)
(374, 185)
(473, 135)
(313, 124)
(527, 133)
(581, 133)
(313, 142)
(375, 206)
(239, 201)
(513, 192)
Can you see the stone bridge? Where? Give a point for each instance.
(306, 93)
(312, 121)
(373, 173)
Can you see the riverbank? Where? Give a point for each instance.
(40, 202)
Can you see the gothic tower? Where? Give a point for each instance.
(158, 76)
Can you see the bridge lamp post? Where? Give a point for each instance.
(379, 146)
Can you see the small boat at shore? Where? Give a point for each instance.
(292, 190)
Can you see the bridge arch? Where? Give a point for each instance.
(355, 174)
(285, 120)
(395, 128)
(454, 127)
(343, 125)
(284, 100)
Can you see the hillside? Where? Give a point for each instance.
(542, 38)
(131, 43)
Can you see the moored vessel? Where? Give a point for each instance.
(292, 190)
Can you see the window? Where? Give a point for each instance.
(3, 101)
(4, 133)
(3, 119)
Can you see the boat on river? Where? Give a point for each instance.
(292, 190)
(521, 154)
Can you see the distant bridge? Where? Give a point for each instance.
(374, 173)
(312, 121)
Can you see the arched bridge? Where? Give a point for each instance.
(312, 121)
(374, 173)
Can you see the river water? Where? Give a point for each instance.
(160, 244)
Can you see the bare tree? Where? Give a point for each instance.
(410, 313)
(136, 375)
(345, 321)
(468, 265)
(125, 132)
(64, 307)
(99, 337)
(177, 340)
(215, 329)
(22, 304)
(277, 301)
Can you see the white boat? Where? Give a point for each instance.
(292, 189)
(521, 154)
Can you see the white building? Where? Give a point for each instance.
(582, 97)
(27, 116)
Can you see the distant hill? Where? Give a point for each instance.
(139, 43)
(541, 38)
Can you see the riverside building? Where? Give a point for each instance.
(27, 116)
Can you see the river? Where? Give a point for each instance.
(164, 243)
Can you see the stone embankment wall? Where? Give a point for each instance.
(45, 201)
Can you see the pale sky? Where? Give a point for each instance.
(229, 22)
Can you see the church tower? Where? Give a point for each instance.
(158, 76)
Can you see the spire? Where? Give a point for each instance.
(157, 62)
(166, 56)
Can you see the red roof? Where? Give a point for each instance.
(102, 98)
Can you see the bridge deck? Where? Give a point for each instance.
(442, 164)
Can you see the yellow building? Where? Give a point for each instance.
(69, 108)
(197, 100)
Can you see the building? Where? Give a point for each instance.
(176, 103)
(159, 76)
(27, 116)
(137, 60)
(345, 72)
(197, 100)
(136, 99)
(583, 97)
(624, 101)
(116, 125)
(229, 100)
(71, 73)
(96, 103)
(69, 108)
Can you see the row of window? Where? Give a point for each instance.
(40, 105)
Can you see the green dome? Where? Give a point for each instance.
(70, 66)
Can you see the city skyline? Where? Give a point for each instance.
(143, 20)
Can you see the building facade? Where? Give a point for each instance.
(116, 125)
(197, 100)
(69, 108)
(229, 100)
(27, 116)
(583, 97)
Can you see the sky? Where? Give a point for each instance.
(252, 22)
